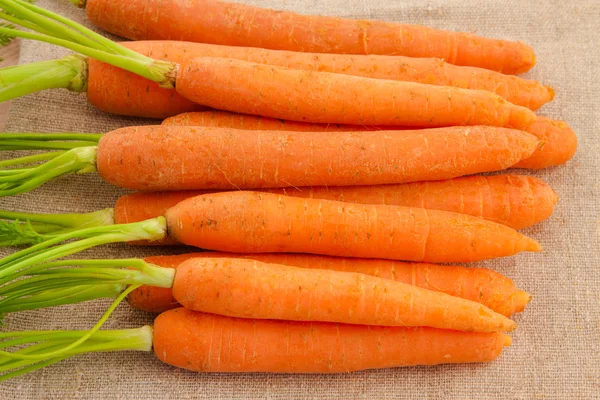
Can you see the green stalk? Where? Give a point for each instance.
(79, 157)
(152, 229)
(55, 29)
(59, 297)
(75, 161)
(96, 218)
(57, 283)
(7, 144)
(26, 160)
(139, 339)
(16, 227)
(76, 343)
(68, 73)
(42, 137)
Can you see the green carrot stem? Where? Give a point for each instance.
(35, 145)
(27, 160)
(70, 35)
(41, 137)
(45, 22)
(68, 73)
(22, 23)
(55, 283)
(44, 141)
(152, 229)
(75, 344)
(137, 340)
(92, 219)
(77, 160)
(92, 38)
(59, 297)
(17, 73)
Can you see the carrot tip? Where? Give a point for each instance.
(510, 326)
(551, 92)
(522, 298)
(507, 341)
(532, 245)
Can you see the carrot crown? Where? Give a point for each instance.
(52, 28)
(72, 153)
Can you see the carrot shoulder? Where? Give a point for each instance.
(483, 285)
(188, 158)
(324, 97)
(253, 222)
(204, 21)
(195, 341)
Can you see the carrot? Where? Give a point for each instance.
(558, 144)
(252, 289)
(181, 340)
(477, 284)
(243, 288)
(253, 222)
(310, 96)
(211, 343)
(186, 158)
(324, 97)
(117, 91)
(558, 141)
(211, 21)
(513, 200)
(132, 89)
(231, 159)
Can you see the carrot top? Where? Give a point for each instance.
(38, 349)
(72, 153)
(70, 72)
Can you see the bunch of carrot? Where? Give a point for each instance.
(325, 186)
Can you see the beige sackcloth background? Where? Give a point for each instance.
(556, 348)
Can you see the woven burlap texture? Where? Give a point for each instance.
(556, 348)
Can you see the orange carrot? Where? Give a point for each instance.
(558, 141)
(477, 284)
(324, 97)
(253, 222)
(118, 91)
(182, 158)
(513, 200)
(251, 289)
(137, 95)
(271, 91)
(212, 21)
(187, 158)
(212, 343)
(194, 341)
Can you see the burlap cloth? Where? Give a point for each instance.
(556, 349)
